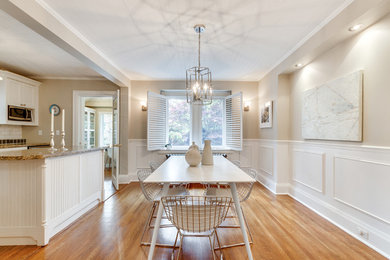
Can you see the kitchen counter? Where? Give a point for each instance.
(42, 153)
(39, 198)
(2, 146)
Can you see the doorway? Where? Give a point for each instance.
(98, 130)
(95, 121)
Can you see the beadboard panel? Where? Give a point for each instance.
(19, 182)
(62, 184)
(39, 198)
(309, 169)
(91, 163)
(367, 185)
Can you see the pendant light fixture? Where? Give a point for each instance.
(198, 79)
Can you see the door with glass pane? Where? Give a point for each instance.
(89, 138)
(115, 141)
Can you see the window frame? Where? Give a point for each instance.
(196, 124)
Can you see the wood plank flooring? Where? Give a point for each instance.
(282, 229)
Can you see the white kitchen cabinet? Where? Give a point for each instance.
(18, 91)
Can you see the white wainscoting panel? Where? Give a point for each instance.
(143, 156)
(266, 159)
(309, 169)
(246, 155)
(363, 185)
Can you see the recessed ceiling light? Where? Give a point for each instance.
(298, 65)
(356, 27)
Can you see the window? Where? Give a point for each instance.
(213, 122)
(105, 128)
(89, 127)
(179, 122)
(171, 120)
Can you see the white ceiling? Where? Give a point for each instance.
(25, 52)
(154, 39)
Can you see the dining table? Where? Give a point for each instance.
(176, 170)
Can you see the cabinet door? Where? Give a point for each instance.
(13, 92)
(21, 94)
(27, 96)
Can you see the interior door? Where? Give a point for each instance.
(115, 141)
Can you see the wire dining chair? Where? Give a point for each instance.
(154, 165)
(153, 193)
(197, 216)
(244, 190)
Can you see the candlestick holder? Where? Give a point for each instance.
(52, 149)
(63, 148)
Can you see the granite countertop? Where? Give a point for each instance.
(22, 145)
(42, 153)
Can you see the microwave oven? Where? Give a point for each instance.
(19, 114)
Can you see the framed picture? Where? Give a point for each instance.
(266, 115)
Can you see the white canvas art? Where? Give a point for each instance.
(333, 111)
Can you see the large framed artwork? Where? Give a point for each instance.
(333, 111)
(266, 115)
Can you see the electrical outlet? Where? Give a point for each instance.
(363, 233)
(40, 132)
(57, 132)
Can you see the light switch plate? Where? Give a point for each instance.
(40, 132)
(57, 132)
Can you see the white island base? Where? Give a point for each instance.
(40, 197)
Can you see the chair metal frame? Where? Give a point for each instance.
(196, 216)
(244, 190)
(152, 192)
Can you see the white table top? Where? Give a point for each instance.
(176, 169)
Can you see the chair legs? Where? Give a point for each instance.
(212, 237)
(149, 226)
(238, 226)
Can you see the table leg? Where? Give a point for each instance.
(241, 219)
(157, 223)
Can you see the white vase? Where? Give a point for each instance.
(207, 157)
(193, 146)
(193, 157)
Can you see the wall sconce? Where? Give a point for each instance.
(247, 105)
(143, 106)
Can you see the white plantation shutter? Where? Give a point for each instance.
(157, 121)
(234, 121)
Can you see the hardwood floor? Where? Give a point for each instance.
(282, 229)
(109, 188)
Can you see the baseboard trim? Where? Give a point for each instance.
(342, 216)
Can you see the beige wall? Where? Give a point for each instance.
(370, 51)
(268, 91)
(138, 123)
(283, 107)
(60, 92)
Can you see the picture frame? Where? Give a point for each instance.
(266, 115)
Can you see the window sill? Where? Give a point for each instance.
(183, 151)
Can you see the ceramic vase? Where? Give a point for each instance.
(193, 146)
(193, 157)
(207, 157)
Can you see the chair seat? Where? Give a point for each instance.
(172, 191)
(219, 192)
